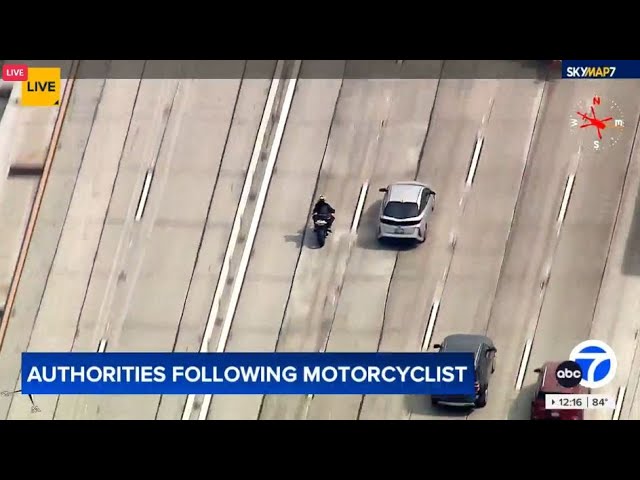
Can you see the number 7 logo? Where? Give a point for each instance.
(591, 355)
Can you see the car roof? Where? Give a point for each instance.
(465, 343)
(405, 192)
(549, 383)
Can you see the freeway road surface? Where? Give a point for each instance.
(503, 255)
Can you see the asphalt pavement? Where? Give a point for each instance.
(505, 256)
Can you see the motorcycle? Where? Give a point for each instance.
(321, 227)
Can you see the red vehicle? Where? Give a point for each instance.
(547, 384)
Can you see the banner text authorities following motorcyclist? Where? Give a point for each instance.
(247, 374)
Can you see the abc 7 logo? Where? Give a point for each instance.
(592, 364)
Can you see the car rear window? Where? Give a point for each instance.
(401, 210)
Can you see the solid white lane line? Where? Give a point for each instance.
(359, 207)
(142, 202)
(433, 315)
(471, 173)
(253, 229)
(565, 198)
(619, 400)
(524, 361)
(102, 346)
(474, 161)
(237, 222)
(437, 298)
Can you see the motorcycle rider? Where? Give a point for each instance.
(322, 209)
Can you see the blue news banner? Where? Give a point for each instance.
(247, 373)
(595, 69)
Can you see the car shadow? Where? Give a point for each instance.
(542, 71)
(521, 406)
(368, 233)
(421, 405)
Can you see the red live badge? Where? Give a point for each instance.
(15, 73)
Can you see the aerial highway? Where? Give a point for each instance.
(176, 218)
(24, 138)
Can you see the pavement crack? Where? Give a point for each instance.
(206, 224)
(397, 254)
(514, 214)
(58, 240)
(615, 225)
(119, 169)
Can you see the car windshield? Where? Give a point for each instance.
(401, 210)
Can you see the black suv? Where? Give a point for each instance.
(485, 364)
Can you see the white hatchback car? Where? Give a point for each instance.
(405, 211)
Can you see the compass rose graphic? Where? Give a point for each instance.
(603, 120)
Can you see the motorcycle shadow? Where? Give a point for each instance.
(305, 238)
(299, 239)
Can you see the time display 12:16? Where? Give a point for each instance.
(578, 402)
